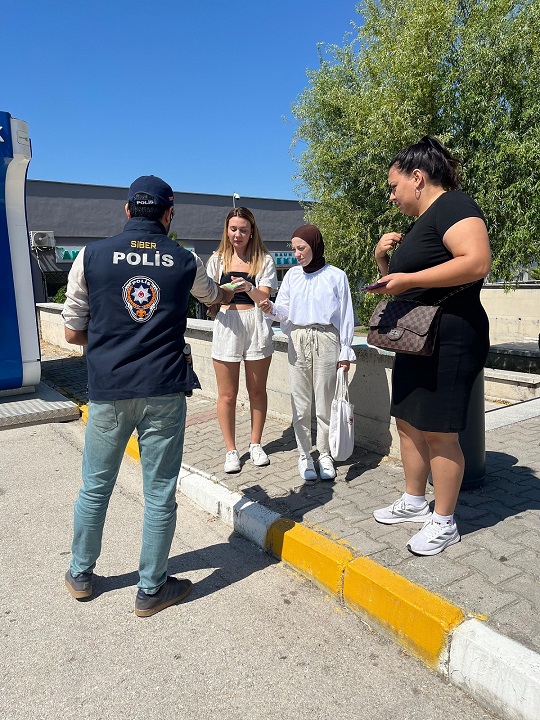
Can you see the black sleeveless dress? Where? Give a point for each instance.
(432, 393)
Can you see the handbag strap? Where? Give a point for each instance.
(455, 292)
(342, 385)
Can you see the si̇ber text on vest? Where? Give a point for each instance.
(134, 258)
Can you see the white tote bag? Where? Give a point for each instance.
(341, 420)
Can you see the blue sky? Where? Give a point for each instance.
(194, 92)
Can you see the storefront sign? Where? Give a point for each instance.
(284, 257)
(63, 255)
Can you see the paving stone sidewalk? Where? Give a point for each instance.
(494, 571)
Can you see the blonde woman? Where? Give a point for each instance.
(241, 331)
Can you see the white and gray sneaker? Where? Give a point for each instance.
(306, 470)
(401, 512)
(232, 462)
(433, 538)
(258, 456)
(327, 471)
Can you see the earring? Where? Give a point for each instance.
(417, 193)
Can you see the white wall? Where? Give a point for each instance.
(514, 316)
(369, 379)
(51, 327)
(369, 387)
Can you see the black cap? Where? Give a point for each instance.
(150, 190)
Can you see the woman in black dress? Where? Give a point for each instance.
(446, 248)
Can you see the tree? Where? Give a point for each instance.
(465, 71)
(534, 272)
(193, 302)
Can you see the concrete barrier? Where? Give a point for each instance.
(513, 315)
(51, 327)
(369, 378)
(369, 386)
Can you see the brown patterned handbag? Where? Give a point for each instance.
(406, 326)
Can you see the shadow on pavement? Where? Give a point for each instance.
(509, 490)
(228, 561)
(68, 376)
(286, 442)
(296, 503)
(301, 499)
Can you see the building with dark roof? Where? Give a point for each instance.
(63, 217)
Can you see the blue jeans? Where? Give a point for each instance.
(160, 423)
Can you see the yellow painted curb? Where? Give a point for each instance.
(420, 620)
(316, 557)
(132, 447)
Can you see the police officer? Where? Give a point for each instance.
(127, 300)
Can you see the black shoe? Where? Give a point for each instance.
(171, 592)
(81, 586)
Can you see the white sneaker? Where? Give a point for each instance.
(232, 462)
(258, 456)
(433, 538)
(327, 470)
(306, 469)
(401, 512)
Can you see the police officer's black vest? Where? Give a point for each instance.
(138, 289)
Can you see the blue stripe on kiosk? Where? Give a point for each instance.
(19, 344)
(10, 347)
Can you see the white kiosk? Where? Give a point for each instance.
(20, 365)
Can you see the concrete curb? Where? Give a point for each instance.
(499, 673)
(418, 619)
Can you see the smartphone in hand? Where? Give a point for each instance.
(231, 285)
(375, 286)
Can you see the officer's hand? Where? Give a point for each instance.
(228, 296)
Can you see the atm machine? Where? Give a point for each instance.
(20, 365)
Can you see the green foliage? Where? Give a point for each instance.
(465, 71)
(366, 306)
(60, 296)
(173, 235)
(192, 307)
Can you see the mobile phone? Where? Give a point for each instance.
(232, 285)
(376, 285)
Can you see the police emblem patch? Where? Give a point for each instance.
(141, 297)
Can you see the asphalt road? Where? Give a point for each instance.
(254, 640)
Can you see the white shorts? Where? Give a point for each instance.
(241, 335)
